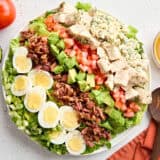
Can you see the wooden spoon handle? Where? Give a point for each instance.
(156, 147)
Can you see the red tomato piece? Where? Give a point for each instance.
(120, 105)
(69, 42)
(7, 13)
(135, 107)
(129, 113)
(83, 68)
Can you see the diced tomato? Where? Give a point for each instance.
(90, 71)
(92, 64)
(97, 87)
(68, 51)
(63, 34)
(129, 113)
(69, 42)
(83, 67)
(85, 47)
(72, 53)
(50, 23)
(76, 48)
(99, 80)
(135, 107)
(94, 57)
(84, 54)
(120, 105)
(119, 94)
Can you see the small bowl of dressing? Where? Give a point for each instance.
(156, 50)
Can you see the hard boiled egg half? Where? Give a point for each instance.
(58, 136)
(41, 78)
(49, 115)
(21, 62)
(21, 85)
(75, 143)
(69, 118)
(35, 99)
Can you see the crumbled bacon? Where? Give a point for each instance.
(25, 35)
(89, 113)
(39, 52)
(93, 133)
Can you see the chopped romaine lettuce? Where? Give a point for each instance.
(0, 54)
(39, 27)
(116, 117)
(106, 125)
(14, 43)
(102, 96)
(83, 6)
(132, 32)
(102, 142)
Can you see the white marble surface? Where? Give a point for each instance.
(144, 14)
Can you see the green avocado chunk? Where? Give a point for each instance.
(72, 76)
(83, 85)
(53, 38)
(58, 69)
(62, 58)
(54, 50)
(70, 62)
(60, 44)
(81, 76)
(91, 80)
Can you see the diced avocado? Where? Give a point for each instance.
(70, 62)
(53, 38)
(60, 44)
(58, 69)
(72, 76)
(54, 50)
(91, 80)
(83, 85)
(62, 57)
(81, 76)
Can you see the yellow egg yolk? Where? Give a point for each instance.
(50, 115)
(70, 119)
(41, 79)
(34, 100)
(20, 84)
(75, 144)
(22, 62)
(55, 134)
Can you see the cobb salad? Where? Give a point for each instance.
(75, 78)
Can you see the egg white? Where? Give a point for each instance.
(63, 113)
(19, 52)
(41, 93)
(60, 139)
(41, 115)
(70, 136)
(35, 72)
(21, 92)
